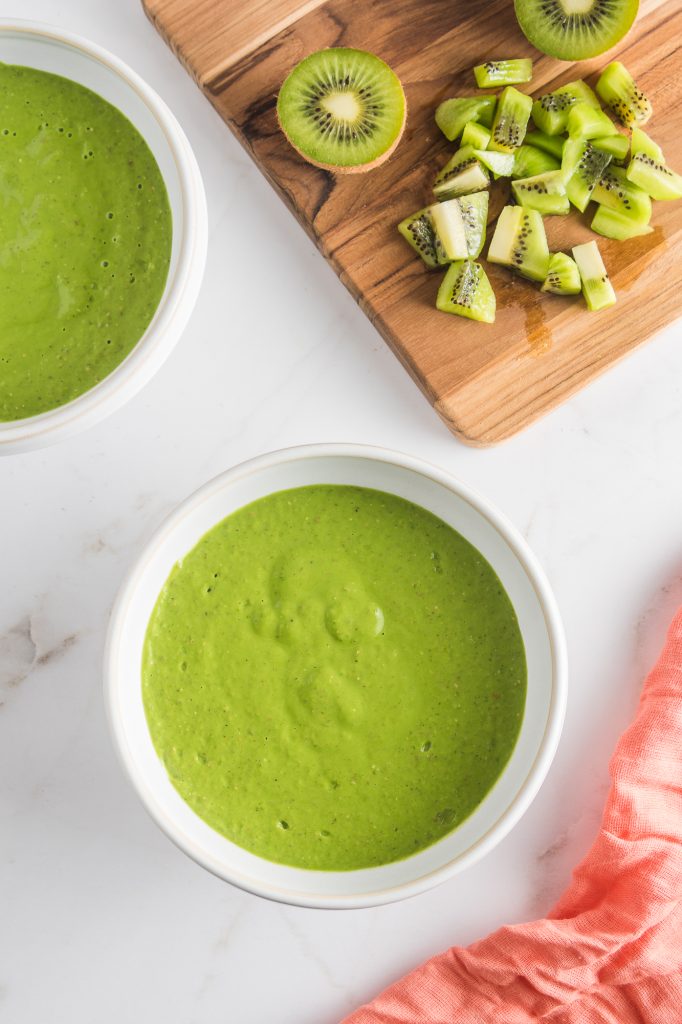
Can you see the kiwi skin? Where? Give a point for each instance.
(353, 168)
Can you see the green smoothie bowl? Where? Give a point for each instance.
(103, 237)
(336, 677)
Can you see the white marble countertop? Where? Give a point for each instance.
(101, 918)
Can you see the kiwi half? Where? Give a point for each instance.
(343, 110)
(575, 29)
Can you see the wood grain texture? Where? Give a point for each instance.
(485, 381)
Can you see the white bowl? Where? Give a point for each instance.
(476, 520)
(62, 53)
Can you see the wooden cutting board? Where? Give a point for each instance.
(485, 381)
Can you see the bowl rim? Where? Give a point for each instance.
(181, 289)
(537, 771)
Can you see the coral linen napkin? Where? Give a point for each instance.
(610, 952)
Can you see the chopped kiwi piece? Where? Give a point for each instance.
(563, 276)
(449, 227)
(511, 120)
(475, 135)
(419, 232)
(520, 242)
(529, 161)
(466, 291)
(587, 122)
(620, 92)
(343, 110)
(503, 72)
(616, 146)
(614, 191)
(658, 180)
(453, 115)
(642, 143)
(552, 144)
(545, 193)
(475, 216)
(461, 175)
(613, 224)
(596, 286)
(501, 164)
(583, 166)
(575, 29)
(550, 112)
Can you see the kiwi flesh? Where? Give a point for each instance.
(510, 121)
(583, 166)
(619, 91)
(640, 142)
(343, 110)
(501, 164)
(613, 224)
(419, 231)
(475, 216)
(657, 179)
(563, 277)
(545, 193)
(461, 175)
(550, 112)
(529, 161)
(466, 291)
(587, 122)
(503, 72)
(575, 29)
(453, 115)
(519, 242)
(475, 135)
(552, 144)
(449, 227)
(596, 286)
(617, 146)
(614, 191)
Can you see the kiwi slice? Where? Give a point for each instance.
(503, 72)
(552, 144)
(529, 161)
(583, 166)
(453, 115)
(550, 112)
(617, 146)
(466, 291)
(614, 191)
(575, 29)
(418, 230)
(475, 216)
(563, 276)
(475, 135)
(587, 122)
(596, 286)
(343, 110)
(461, 175)
(641, 143)
(657, 179)
(543, 192)
(511, 119)
(613, 224)
(620, 92)
(501, 164)
(520, 242)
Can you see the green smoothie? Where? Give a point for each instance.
(85, 240)
(333, 677)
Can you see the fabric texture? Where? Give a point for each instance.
(610, 952)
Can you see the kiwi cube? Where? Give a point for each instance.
(461, 175)
(466, 291)
(596, 286)
(503, 72)
(453, 115)
(520, 242)
(587, 122)
(475, 135)
(617, 146)
(529, 161)
(640, 142)
(511, 120)
(619, 91)
(583, 166)
(449, 227)
(550, 112)
(501, 164)
(474, 209)
(657, 179)
(552, 144)
(613, 224)
(545, 193)
(419, 232)
(563, 276)
(614, 191)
